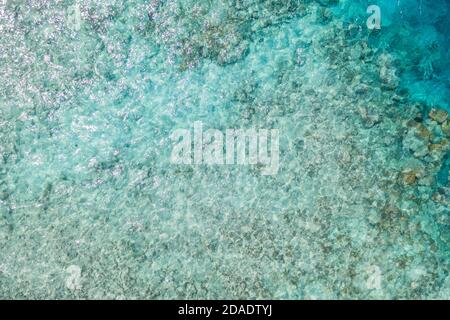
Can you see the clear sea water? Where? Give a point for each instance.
(92, 208)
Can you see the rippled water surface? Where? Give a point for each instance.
(91, 205)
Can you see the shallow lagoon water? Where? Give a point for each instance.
(92, 207)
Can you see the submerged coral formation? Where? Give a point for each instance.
(91, 206)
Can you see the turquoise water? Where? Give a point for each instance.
(92, 208)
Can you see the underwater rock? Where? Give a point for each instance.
(223, 44)
(440, 146)
(440, 198)
(234, 54)
(369, 119)
(446, 128)
(438, 115)
(387, 73)
(428, 181)
(399, 98)
(409, 177)
(423, 132)
(362, 89)
(4, 195)
(195, 31)
(324, 15)
(418, 117)
(415, 143)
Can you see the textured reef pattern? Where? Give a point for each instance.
(92, 208)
